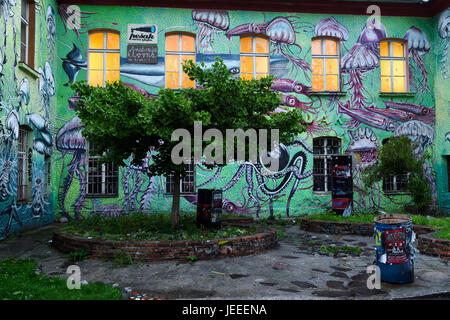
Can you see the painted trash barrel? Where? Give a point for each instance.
(394, 239)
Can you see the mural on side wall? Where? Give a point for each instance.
(25, 101)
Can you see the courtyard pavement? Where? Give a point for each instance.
(294, 270)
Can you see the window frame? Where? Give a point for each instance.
(104, 50)
(182, 182)
(254, 54)
(394, 182)
(324, 57)
(391, 59)
(179, 54)
(24, 187)
(325, 157)
(104, 176)
(29, 21)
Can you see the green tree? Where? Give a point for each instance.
(397, 157)
(123, 123)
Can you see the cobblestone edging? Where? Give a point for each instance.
(168, 250)
(426, 243)
(430, 245)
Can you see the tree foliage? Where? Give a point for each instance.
(397, 157)
(121, 122)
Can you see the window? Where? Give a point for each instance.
(180, 47)
(102, 178)
(103, 57)
(393, 65)
(47, 176)
(395, 184)
(24, 164)
(254, 57)
(325, 53)
(323, 149)
(187, 184)
(27, 29)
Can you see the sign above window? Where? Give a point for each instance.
(142, 34)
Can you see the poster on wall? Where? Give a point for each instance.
(142, 53)
(142, 34)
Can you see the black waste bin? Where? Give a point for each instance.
(209, 208)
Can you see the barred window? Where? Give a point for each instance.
(187, 184)
(102, 178)
(47, 177)
(323, 149)
(24, 164)
(180, 47)
(395, 183)
(254, 57)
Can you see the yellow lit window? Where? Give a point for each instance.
(180, 47)
(393, 65)
(103, 57)
(325, 64)
(254, 57)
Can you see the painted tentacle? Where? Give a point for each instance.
(81, 199)
(235, 178)
(213, 178)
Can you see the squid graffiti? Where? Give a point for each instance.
(282, 34)
(69, 140)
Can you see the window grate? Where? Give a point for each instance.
(323, 149)
(187, 184)
(102, 178)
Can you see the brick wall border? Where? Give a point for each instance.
(426, 243)
(149, 251)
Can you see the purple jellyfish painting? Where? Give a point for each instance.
(444, 33)
(330, 27)
(357, 61)
(211, 23)
(371, 35)
(65, 12)
(69, 140)
(282, 33)
(418, 45)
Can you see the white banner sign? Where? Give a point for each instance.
(143, 33)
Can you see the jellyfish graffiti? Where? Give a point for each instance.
(65, 11)
(364, 144)
(51, 28)
(43, 140)
(356, 62)
(371, 35)
(444, 33)
(24, 91)
(418, 45)
(282, 33)
(70, 140)
(46, 86)
(211, 23)
(330, 27)
(6, 11)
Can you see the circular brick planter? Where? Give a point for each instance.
(168, 250)
(238, 220)
(426, 242)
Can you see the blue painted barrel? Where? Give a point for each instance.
(394, 250)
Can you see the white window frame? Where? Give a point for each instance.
(255, 54)
(26, 22)
(326, 158)
(180, 54)
(104, 174)
(24, 180)
(188, 180)
(104, 51)
(324, 57)
(392, 59)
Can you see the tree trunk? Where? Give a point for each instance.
(175, 217)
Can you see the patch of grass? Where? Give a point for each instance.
(122, 259)
(137, 226)
(19, 281)
(340, 249)
(441, 224)
(192, 258)
(79, 255)
(281, 234)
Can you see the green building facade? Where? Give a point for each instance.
(46, 171)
